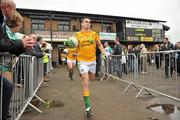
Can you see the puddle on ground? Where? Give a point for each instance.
(58, 104)
(53, 103)
(172, 111)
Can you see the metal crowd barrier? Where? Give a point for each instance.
(122, 68)
(159, 73)
(152, 72)
(26, 75)
(49, 65)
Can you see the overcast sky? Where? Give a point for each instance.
(168, 10)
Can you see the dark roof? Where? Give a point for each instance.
(72, 14)
(165, 27)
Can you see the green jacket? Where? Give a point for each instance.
(12, 36)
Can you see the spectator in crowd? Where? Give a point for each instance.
(105, 30)
(124, 60)
(166, 46)
(177, 47)
(131, 58)
(109, 28)
(137, 50)
(150, 57)
(9, 29)
(143, 58)
(12, 26)
(36, 51)
(157, 56)
(17, 47)
(108, 52)
(108, 49)
(45, 59)
(7, 9)
(98, 62)
(50, 48)
(117, 59)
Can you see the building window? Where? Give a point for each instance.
(107, 27)
(37, 24)
(64, 25)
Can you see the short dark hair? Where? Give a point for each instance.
(39, 38)
(85, 18)
(166, 38)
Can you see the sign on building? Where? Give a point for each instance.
(143, 31)
(107, 36)
(57, 36)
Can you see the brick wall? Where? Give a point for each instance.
(27, 25)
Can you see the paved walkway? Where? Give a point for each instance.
(107, 99)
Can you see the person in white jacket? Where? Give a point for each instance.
(124, 59)
(143, 58)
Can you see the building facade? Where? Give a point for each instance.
(56, 26)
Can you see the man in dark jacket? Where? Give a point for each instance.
(166, 46)
(177, 47)
(98, 62)
(36, 51)
(117, 59)
(7, 8)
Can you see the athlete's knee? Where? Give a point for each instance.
(92, 77)
(86, 86)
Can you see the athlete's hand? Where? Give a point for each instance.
(110, 56)
(28, 42)
(103, 56)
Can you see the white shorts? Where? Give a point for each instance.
(71, 61)
(85, 67)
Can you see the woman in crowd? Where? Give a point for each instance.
(10, 28)
(143, 58)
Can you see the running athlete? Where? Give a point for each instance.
(86, 57)
(71, 61)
